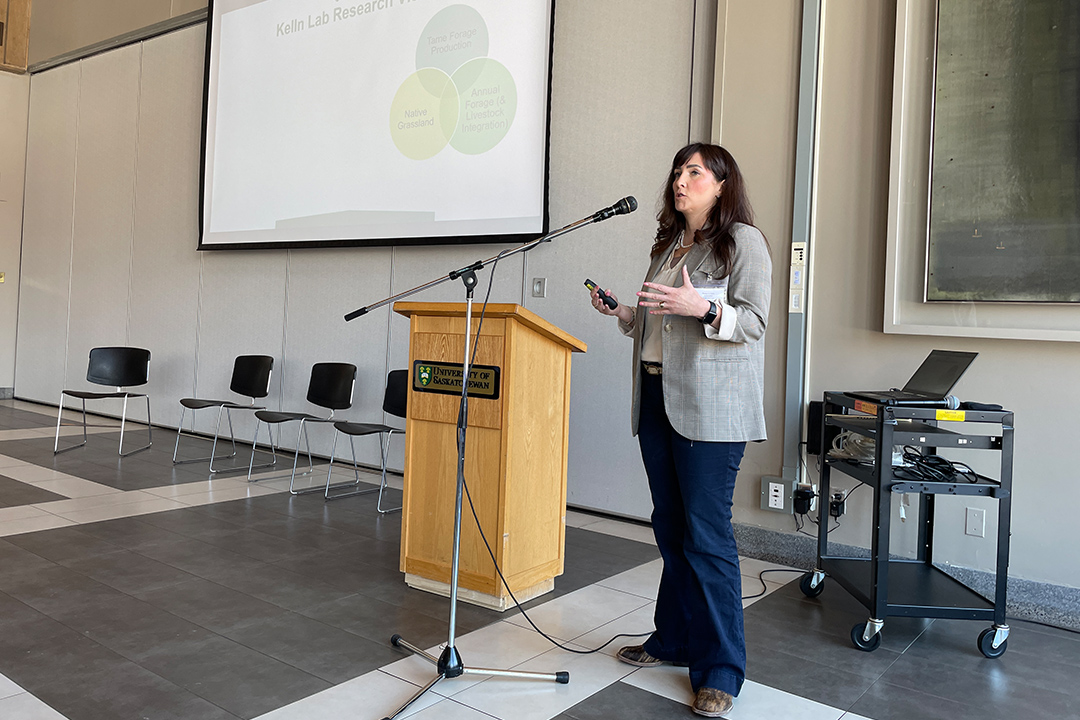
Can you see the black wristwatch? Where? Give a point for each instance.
(710, 314)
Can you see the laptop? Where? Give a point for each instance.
(937, 375)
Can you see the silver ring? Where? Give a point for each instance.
(661, 303)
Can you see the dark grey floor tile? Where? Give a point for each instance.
(892, 702)
(128, 571)
(770, 665)
(327, 652)
(815, 646)
(281, 587)
(15, 559)
(620, 701)
(377, 621)
(64, 544)
(55, 589)
(234, 677)
(198, 558)
(14, 493)
(130, 533)
(212, 606)
(993, 690)
(586, 541)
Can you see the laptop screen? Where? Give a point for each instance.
(939, 372)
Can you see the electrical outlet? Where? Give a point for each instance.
(975, 523)
(776, 493)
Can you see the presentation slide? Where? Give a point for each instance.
(375, 123)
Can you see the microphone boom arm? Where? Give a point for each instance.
(480, 264)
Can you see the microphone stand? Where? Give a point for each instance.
(449, 664)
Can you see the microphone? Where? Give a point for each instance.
(627, 205)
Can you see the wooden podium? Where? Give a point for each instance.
(515, 451)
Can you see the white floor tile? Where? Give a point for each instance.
(634, 623)
(62, 507)
(8, 687)
(32, 524)
(628, 531)
(34, 474)
(119, 511)
(73, 487)
(201, 486)
(500, 646)
(450, 710)
(376, 692)
(527, 699)
(644, 580)
(27, 707)
(755, 702)
(579, 612)
(20, 512)
(10, 462)
(224, 495)
(579, 519)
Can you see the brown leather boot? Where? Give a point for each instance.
(636, 655)
(711, 702)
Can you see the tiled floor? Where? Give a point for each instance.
(133, 589)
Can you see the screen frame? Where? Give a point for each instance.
(451, 240)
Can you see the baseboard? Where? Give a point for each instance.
(1046, 603)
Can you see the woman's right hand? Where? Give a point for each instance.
(621, 311)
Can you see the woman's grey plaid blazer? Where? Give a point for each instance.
(714, 379)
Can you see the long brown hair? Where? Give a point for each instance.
(732, 207)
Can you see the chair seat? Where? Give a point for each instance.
(355, 428)
(273, 416)
(90, 395)
(201, 404)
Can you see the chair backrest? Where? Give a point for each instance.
(251, 375)
(118, 366)
(331, 385)
(395, 400)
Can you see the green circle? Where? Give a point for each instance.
(488, 102)
(454, 36)
(424, 114)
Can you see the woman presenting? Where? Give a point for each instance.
(699, 357)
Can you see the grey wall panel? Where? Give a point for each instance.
(104, 208)
(241, 312)
(165, 264)
(46, 252)
(323, 286)
(614, 130)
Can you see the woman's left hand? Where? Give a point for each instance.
(664, 300)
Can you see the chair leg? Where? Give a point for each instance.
(255, 445)
(123, 420)
(217, 434)
(356, 474)
(382, 486)
(213, 450)
(296, 458)
(59, 414)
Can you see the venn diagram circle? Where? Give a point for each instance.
(458, 96)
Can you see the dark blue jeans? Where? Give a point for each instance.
(699, 618)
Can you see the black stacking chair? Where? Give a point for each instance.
(331, 388)
(250, 378)
(119, 367)
(394, 403)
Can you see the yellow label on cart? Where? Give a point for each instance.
(957, 415)
(866, 407)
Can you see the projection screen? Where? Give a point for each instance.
(337, 122)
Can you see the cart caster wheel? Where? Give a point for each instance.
(807, 589)
(858, 642)
(986, 646)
